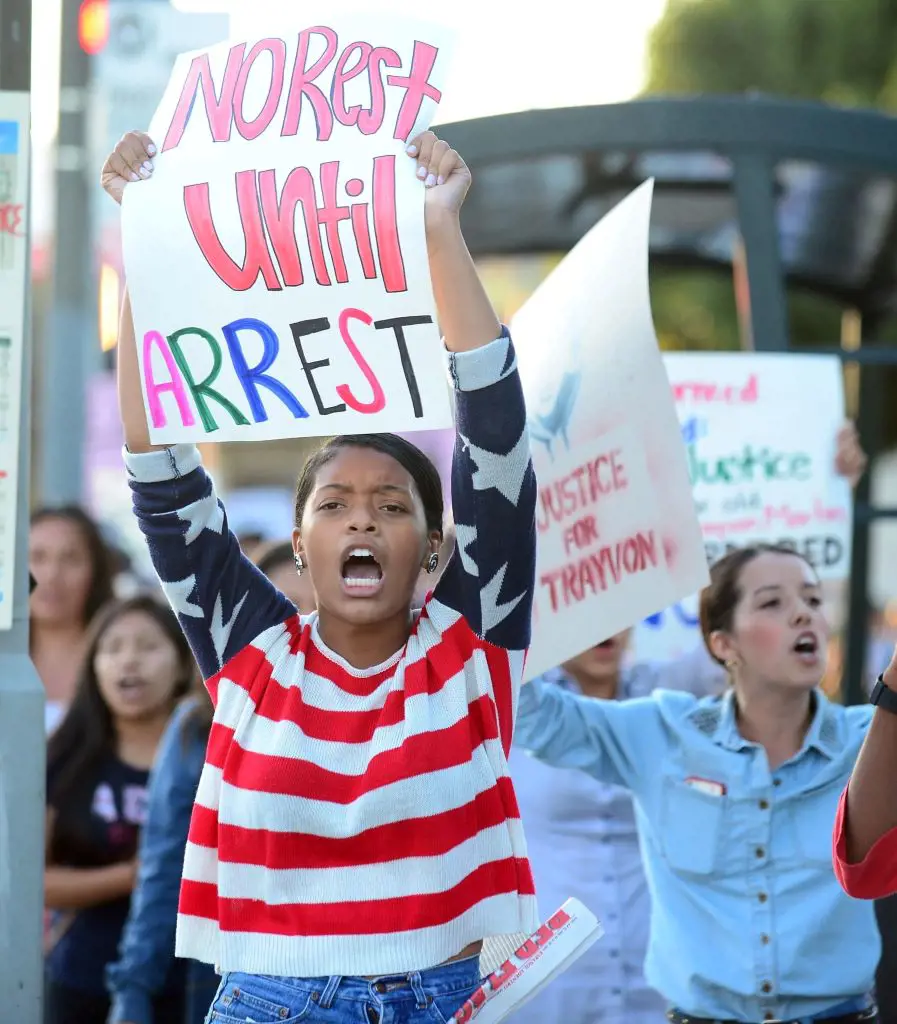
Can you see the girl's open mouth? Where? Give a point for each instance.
(361, 571)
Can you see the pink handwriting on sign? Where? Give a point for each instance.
(268, 213)
(12, 217)
(222, 102)
(728, 394)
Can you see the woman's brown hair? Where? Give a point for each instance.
(720, 597)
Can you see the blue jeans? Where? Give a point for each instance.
(422, 997)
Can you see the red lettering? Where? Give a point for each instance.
(386, 225)
(543, 934)
(257, 258)
(302, 85)
(596, 572)
(417, 87)
(528, 949)
(278, 50)
(330, 213)
(379, 398)
(348, 115)
(503, 975)
(558, 920)
(580, 488)
(369, 121)
(218, 106)
(11, 219)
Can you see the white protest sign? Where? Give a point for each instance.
(14, 236)
(618, 536)
(277, 259)
(759, 432)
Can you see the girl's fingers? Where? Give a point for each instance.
(423, 148)
(437, 154)
(134, 151)
(449, 163)
(120, 167)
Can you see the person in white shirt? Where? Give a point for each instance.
(583, 843)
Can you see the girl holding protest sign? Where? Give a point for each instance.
(355, 837)
(735, 798)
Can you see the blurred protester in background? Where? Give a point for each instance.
(73, 574)
(583, 842)
(146, 963)
(135, 667)
(146, 966)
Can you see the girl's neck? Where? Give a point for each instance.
(364, 645)
(138, 740)
(776, 718)
(56, 650)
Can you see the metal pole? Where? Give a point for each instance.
(71, 348)
(22, 749)
(755, 199)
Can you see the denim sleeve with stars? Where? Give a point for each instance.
(221, 600)
(490, 577)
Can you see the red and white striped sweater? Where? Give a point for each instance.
(358, 821)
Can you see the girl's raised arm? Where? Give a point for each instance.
(222, 601)
(490, 578)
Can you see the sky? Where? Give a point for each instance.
(509, 57)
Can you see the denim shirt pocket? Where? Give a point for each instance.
(691, 826)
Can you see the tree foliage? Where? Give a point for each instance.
(841, 51)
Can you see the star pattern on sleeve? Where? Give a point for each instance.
(505, 473)
(491, 611)
(205, 514)
(464, 537)
(220, 630)
(178, 593)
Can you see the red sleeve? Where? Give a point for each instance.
(876, 875)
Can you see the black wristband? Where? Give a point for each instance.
(883, 696)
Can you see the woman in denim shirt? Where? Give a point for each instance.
(735, 798)
(146, 964)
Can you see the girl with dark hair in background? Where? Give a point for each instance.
(355, 840)
(735, 797)
(72, 571)
(146, 955)
(135, 668)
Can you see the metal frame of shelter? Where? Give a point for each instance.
(755, 134)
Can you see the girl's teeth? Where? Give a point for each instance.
(359, 582)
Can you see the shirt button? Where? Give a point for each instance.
(762, 897)
(777, 782)
(764, 805)
(380, 988)
(769, 1015)
(766, 987)
(760, 853)
(764, 939)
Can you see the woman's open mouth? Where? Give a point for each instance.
(361, 572)
(806, 647)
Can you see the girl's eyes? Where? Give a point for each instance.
(814, 601)
(329, 506)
